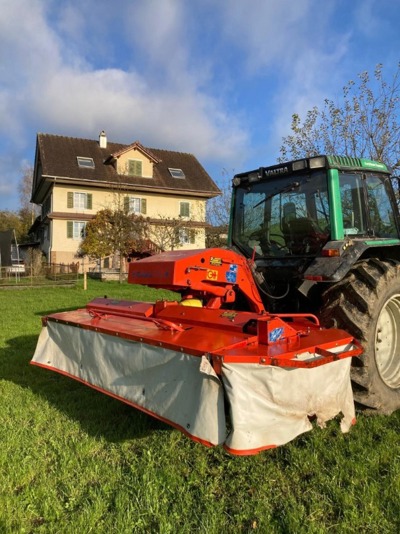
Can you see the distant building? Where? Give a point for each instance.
(10, 257)
(75, 178)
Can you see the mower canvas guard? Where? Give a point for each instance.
(185, 361)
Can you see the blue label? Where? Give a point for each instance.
(231, 275)
(275, 334)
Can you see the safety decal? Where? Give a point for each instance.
(231, 275)
(212, 274)
(217, 262)
(275, 334)
(229, 314)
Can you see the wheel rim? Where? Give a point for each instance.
(387, 342)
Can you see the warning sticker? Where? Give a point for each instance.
(231, 275)
(215, 261)
(229, 314)
(212, 274)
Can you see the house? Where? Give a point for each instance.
(10, 256)
(75, 178)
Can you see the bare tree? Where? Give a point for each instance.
(168, 233)
(114, 232)
(22, 219)
(27, 211)
(218, 211)
(365, 122)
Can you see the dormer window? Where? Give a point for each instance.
(134, 167)
(85, 163)
(176, 173)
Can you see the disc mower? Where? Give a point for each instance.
(214, 363)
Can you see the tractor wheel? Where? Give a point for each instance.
(366, 303)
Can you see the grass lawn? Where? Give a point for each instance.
(75, 461)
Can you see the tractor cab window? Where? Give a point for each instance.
(285, 216)
(352, 196)
(366, 205)
(379, 208)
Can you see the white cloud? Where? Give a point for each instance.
(161, 33)
(291, 47)
(82, 104)
(268, 33)
(174, 74)
(49, 86)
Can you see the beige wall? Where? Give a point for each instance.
(158, 206)
(101, 199)
(63, 249)
(147, 165)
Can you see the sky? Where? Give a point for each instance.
(217, 78)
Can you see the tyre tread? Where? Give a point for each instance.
(352, 305)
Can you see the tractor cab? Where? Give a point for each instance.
(311, 219)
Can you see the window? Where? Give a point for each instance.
(375, 218)
(76, 230)
(353, 209)
(79, 200)
(186, 236)
(380, 208)
(85, 163)
(184, 209)
(279, 217)
(134, 167)
(135, 205)
(177, 173)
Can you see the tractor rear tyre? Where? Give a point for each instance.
(366, 303)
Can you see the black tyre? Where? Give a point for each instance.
(366, 303)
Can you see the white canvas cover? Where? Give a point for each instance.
(163, 382)
(269, 406)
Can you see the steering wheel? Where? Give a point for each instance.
(258, 235)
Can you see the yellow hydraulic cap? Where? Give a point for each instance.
(196, 303)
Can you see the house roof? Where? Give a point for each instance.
(56, 157)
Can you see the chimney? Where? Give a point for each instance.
(103, 139)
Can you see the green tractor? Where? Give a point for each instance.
(324, 234)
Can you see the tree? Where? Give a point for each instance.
(22, 219)
(364, 123)
(114, 232)
(25, 188)
(10, 220)
(218, 211)
(167, 232)
(27, 211)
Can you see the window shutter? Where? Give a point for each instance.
(126, 204)
(70, 229)
(192, 237)
(70, 199)
(89, 201)
(134, 167)
(184, 209)
(143, 206)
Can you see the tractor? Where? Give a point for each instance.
(294, 320)
(324, 236)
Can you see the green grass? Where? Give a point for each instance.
(75, 461)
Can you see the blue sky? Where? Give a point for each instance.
(217, 78)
